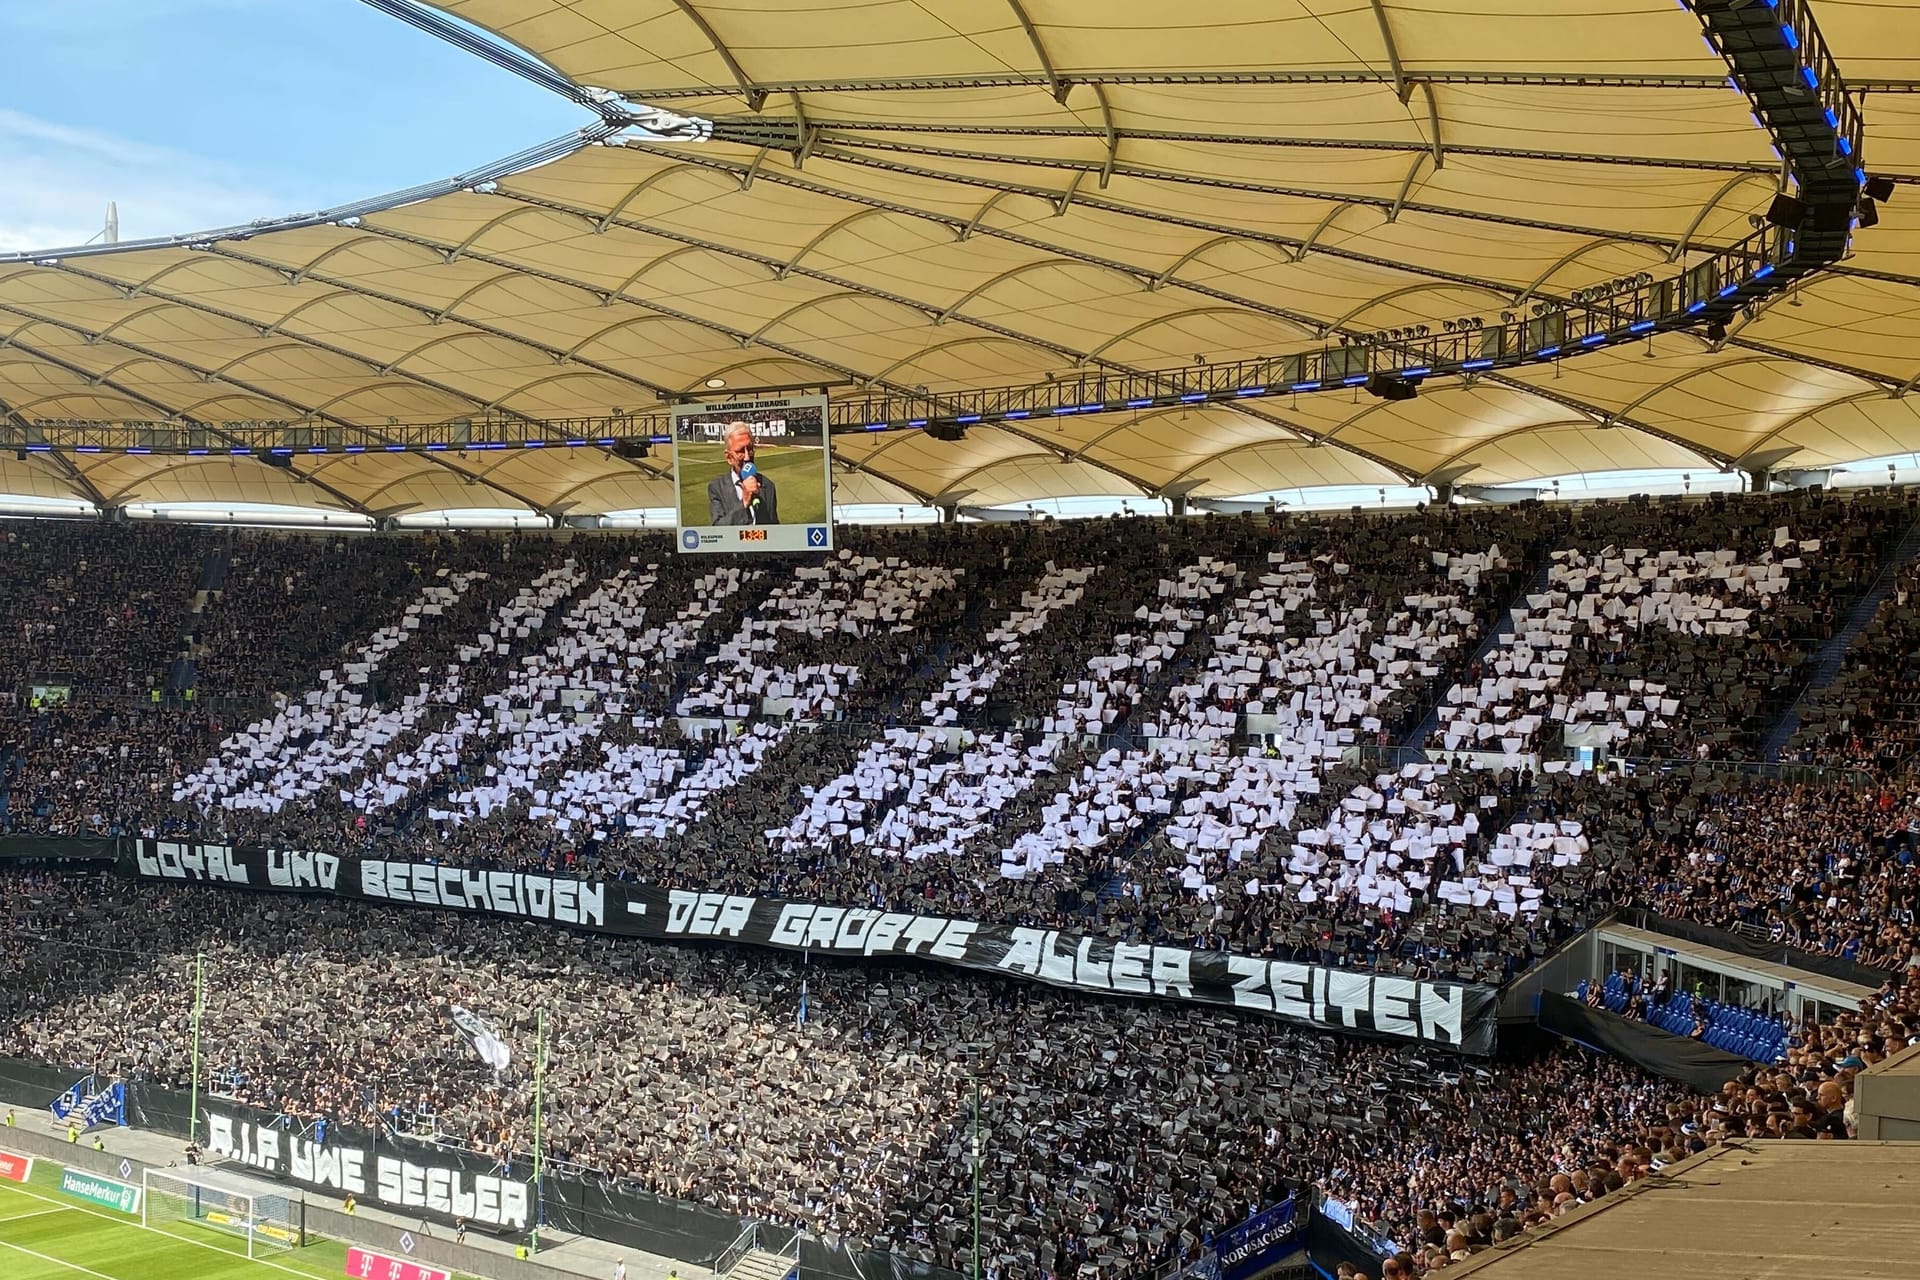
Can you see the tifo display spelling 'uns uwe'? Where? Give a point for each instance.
(1402, 745)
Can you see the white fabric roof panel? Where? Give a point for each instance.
(1120, 187)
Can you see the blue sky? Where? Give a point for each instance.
(197, 113)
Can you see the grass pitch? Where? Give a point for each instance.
(47, 1236)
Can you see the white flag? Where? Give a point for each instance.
(485, 1040)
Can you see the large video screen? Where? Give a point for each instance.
(754, 475)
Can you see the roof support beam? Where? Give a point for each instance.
(1055, 85)
(606, 299)
(1189, 314)
(314, 301)
(1433, 126)
(976, 339)
(810, 303)
(1565, 259)
(1232, 449)
(1011, 273)
(871, 155)
(921, 495)
(1805, 414)
(300, 274)
(72, 472)
(1113, 136)
(1135, 420)
(478, 326)
(959, 482)
(241, 359)
(437, 316)
(1342, 75)
(1057, 449)
(86, 391)
(559, 500)
(822, 238)
(1679, 379)
(1327, 437)
(140, 287)
(973, 224)
(129, 318)
(1425, 286)
(104, 379)
(1319, 228)
(1400, 86)
(479, 233)
(312, 343)
(1900, 392)
(628, 322)
(1602, 416)
(394, 364)
(128, 363)
(1190, 255)
(1455, 459)
(1872, 377)
(755, 95)
(1065, 202)
(752, 171)
(640, 188)
(849, 130)
(1727, 188)
(541, 381)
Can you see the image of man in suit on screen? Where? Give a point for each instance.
(743, 495)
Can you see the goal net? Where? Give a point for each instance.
(267, 1223)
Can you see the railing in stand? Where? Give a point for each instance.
(742, 1245)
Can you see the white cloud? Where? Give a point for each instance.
(59, 180)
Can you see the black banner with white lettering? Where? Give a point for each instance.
(1457, 1015)
(446, 1186)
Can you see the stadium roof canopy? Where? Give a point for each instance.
(1763, 1207)
(896, 195)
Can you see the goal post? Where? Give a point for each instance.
(266, 1223)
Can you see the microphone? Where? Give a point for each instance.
(747, 472)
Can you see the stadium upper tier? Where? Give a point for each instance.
(1188, 729)
(912, 207)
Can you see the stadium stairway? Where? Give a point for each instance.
(182, 672)
(1833, 654)
(1500, 633)
(758, 1264)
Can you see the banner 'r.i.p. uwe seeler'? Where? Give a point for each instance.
(1458, 1015)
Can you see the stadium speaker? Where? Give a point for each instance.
(946, 431)
(1880, 189)
(1716, 330)
(1388, 386)
(631, 449)
(1868, 213)
(281, 460)
(1786, 211)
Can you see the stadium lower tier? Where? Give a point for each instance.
(838, 1097)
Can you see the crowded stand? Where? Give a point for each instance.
(1869, 717)
(1671, 629)
(1352, 741)
(836, 1096)
(1826, 866)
